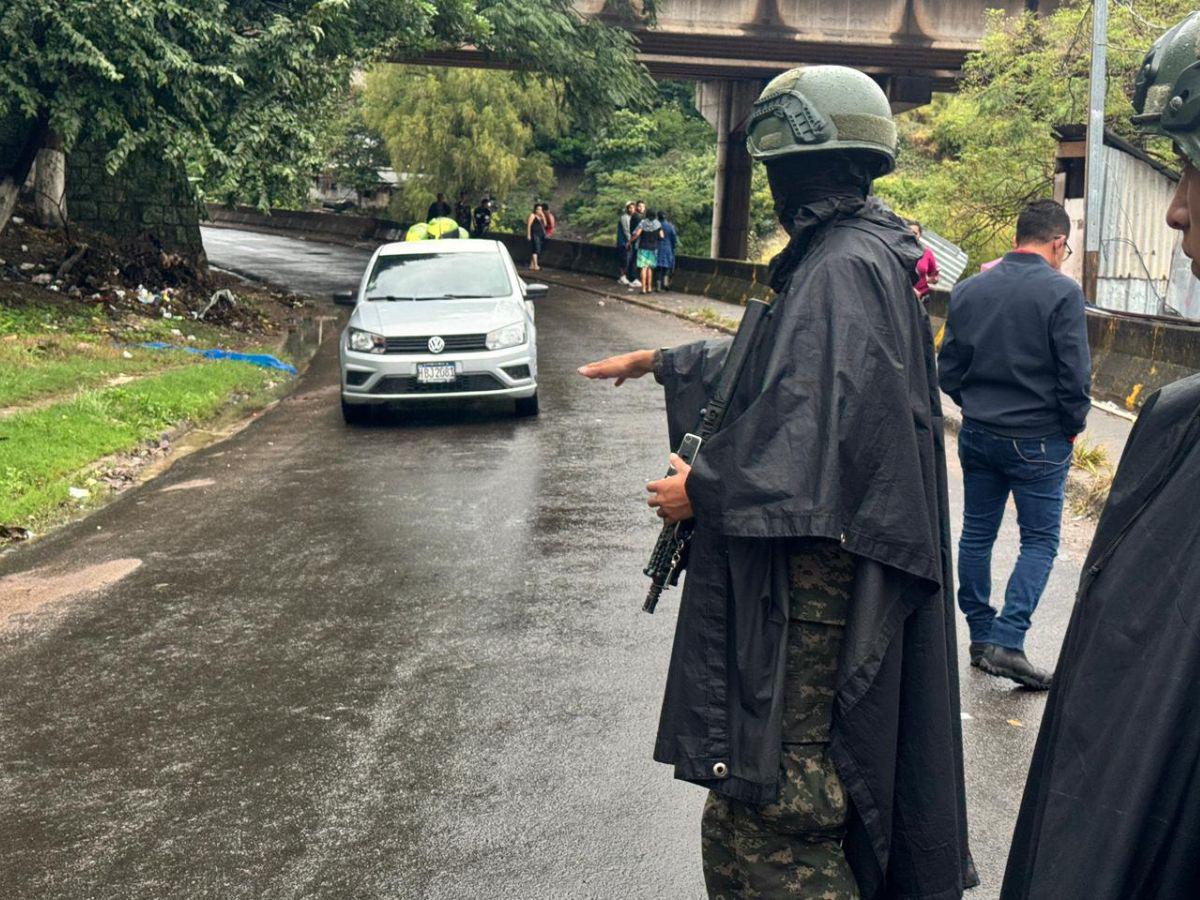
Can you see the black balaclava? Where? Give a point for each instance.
(807, 179)
(811, 189)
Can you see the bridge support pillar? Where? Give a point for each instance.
(726, 105)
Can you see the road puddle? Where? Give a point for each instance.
(28, 592)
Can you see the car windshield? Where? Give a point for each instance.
(438, 276)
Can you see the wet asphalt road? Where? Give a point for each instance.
(392, 662)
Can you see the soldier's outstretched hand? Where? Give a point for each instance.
(627, 365)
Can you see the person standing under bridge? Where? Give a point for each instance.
(1111, 809)
(812, 688)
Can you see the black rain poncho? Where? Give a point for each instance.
(835, 432)
(1112, 805)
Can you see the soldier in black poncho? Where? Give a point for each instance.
(1112, 805)
(812, 687)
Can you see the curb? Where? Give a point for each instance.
(638, 301)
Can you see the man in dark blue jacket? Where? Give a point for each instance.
(1015, 358)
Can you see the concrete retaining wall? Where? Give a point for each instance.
(1132, 356)
(148, 198)
(12, 138)
(329, 226)
(731, 281)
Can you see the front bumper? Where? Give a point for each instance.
(380, 378)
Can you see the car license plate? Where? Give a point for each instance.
(436, 373)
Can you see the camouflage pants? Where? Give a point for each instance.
(793, 847)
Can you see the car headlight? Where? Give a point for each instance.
(366, 341)
(508, 336)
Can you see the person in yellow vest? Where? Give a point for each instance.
(445, 227)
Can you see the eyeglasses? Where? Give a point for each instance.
(1069, 251)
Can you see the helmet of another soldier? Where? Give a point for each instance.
(1166, 97)
(819, 109)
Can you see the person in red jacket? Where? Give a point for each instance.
(927, 267)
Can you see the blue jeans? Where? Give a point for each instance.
(1034, 470)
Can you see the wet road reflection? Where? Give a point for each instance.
(405, 660)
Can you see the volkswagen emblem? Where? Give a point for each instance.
(436, 344)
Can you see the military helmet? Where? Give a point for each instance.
(819, 109)
(1166, 96)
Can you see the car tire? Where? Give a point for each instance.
(527, 406)
(355, 414)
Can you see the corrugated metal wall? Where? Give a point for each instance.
(951, 258)
(1135, 244)
(1183, 292)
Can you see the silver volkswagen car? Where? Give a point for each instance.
(441, 319)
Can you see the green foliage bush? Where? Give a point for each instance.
(667, 157)
(461, 129)
(971, 160)
(243, 92)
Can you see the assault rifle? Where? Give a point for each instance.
(669, 557)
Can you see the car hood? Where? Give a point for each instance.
(405, 318)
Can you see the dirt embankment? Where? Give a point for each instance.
(103, 365)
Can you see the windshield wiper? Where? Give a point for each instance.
(391, 298)
(456, 297)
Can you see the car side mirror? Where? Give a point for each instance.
(345, 298)
(536, 291)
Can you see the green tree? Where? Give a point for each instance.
(356, 152)
(666, 156)
(238, 89)
(971, 160)
(679, 182)
(459, 129)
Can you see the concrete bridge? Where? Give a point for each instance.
(730, 47)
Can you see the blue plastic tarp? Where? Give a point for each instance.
(262, 360)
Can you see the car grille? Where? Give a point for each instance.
(456, 343)
(408, 384)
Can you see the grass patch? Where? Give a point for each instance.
(44, 452)
(25, 316)
(33, 369)
(1090, 492)
(53, 348)
(24, 319)
(1091, 458)
(706, 315)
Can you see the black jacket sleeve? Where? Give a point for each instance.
(953, 360)
(1073, 362)
(689, 375)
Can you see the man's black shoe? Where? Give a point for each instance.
(1005, 663)
(976, 650)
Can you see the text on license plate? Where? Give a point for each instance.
(436, 373)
